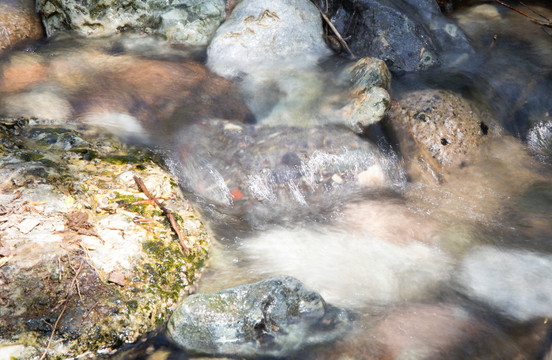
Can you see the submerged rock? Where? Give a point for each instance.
(515, 282)
(182, 22)
(133, 86)
(81, 263)
(275, 317)
(408, 35)
(18, 22)
(277, 174)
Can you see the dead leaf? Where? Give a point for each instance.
(117, 277)
(77, 221)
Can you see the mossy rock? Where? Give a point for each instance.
(78, 256)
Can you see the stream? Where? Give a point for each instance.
(456, 267)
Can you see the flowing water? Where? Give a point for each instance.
(453, 269)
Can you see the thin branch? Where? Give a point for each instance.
(69, 293)
(167, 212)
(546, 23)
(337, 34)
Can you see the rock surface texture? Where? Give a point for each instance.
(18, 22)
(408, 35)
(275, 317)
(82, 265)
(182, 22)
(262, 34)
(439, 127)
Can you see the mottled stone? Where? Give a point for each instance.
(439, 126)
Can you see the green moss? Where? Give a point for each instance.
(30, 156)
(86, 154)
(127, 202)
(133, 157)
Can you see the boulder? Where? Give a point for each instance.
(18, 22)
(84, 268)
(181, 22)
(408, 35)
(275, 317)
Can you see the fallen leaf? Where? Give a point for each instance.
(117, 277)
(236, 194)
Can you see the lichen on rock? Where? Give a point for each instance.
(77, 252)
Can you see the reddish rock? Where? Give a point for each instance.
(18, 22)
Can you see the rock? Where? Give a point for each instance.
(18, 22)
(261, 35)
(370, 79)
(409, 36)
(181, 22)
(439, 126)
(515, 282)
(133, 94)
(275, 317)
(68, 219)
(283, 173)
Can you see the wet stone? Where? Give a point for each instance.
(275, 317)
(75, 248)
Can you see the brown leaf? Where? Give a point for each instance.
(117, 277)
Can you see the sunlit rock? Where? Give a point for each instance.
(18, 22)
(182, 22)
(75, 247)
(409, 35)
(438, 127)
(275, 317)
(267, 35)
(515, 282)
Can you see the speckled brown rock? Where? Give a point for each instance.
(18, 22)
(438, 127)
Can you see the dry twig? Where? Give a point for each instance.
(167, 212)
(546, 22)
(337, 34)
(69, 293)
(4, 260)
